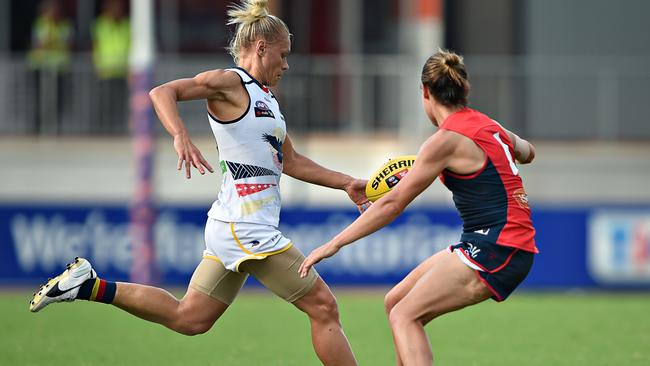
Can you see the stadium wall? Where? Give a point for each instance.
(70, 198)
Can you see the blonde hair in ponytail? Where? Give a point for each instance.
(253, 22)
(445, 76)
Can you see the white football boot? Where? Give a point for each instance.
(63, 287)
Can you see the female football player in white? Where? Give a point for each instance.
(241, 233)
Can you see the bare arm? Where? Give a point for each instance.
(216, 84)
(524, 150)
(302, 168)
(433, 157)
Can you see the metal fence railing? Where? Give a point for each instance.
(541, 97)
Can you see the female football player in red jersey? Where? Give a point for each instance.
(474, 156)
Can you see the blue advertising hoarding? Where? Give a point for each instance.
(582, 247)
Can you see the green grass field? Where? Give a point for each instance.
(259, 329)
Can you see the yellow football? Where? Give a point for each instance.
(387, 176)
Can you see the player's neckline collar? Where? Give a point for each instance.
(263, 87)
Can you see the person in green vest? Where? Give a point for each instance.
(51, 39)
(111, 35)
(49, 60)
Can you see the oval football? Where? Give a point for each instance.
(387, 176)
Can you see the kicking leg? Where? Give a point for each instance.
(211, 290)
(194, 314)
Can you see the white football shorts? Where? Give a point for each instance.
(235, 242)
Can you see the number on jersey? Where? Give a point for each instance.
(513, 166)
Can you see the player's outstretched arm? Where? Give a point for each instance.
(430, 161)
(302, 168)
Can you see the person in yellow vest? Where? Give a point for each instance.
(111, 34)
(51, 39)
(49, 59)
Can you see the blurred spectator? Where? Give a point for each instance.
(49, 59)
(111, 34)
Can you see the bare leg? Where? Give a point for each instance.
(397, 293)
(327, 335)
(448, 285)
(194, 314)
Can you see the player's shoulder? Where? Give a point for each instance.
(441, 144)
(468, 122)
(219, 78)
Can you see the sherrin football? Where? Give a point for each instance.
(387, 176)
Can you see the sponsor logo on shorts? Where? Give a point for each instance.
(482, 231)
(472, 251)
(254, 243)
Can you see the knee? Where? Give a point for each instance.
(390, 300)
(398, 318)
(187, 322)
(191, 328)
(330, 309)
(326, 310)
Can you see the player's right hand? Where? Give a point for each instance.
(189, 155)
(356, 190)
(317, 255)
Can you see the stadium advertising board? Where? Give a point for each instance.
(580, 247)
(619, 247)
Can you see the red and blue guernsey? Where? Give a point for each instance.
(492, 202)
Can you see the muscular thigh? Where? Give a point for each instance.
(403, 287)
(279, 273)
(447, 285)
(212, 279)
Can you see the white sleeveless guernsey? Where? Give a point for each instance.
(250, 154)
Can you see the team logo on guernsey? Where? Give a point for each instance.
(521, 197)
(263, 110)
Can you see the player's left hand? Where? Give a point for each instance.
(356, 190)
(318, 254)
